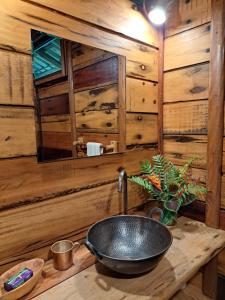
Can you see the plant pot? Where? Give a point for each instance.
(167, 217)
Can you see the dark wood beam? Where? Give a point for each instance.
(216, 114)
(160, 87)
(215, 135)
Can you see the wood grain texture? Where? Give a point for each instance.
(23, 180)
(141, 96)
(221, 263)
(17, 135)
(184, 15)
(82, 259)
(188, 48)
(209, 282)
(136, 125)
(131, 24)
(191, 83)
(223, 163)
(8, 39)
(122, 103)
(57, 123)
(216, 113)
(98, 121)
(160, 89)
(181, 148)
(103, 138)
(72, 29)
(16, 79)
(190, 292)
(83, 56)
(142, 70)
(186, 117)
(56, 105)
(101, 73)
(100, 98)
(176, 268)
(223, 192)
(28, 182)
(63, 216)
(57, 140)
(54, 90)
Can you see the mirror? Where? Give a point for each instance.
(79, 98)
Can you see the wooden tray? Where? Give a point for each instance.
(36, 265)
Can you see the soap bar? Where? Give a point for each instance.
(18, 279)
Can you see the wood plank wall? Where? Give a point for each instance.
(186, 83)
(41, 203)
(186, 91)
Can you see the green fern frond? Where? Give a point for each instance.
(196, 189)
(146, 185)
(186, 167)
(146, 167)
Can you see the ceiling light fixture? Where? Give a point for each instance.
(155, 12)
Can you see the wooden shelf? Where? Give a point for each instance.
(194, 245)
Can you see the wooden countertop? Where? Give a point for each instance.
(193, 246)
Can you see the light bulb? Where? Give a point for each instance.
(157, 16)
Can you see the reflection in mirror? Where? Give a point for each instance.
(78, 97)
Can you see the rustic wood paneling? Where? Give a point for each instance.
(188, 48)
(102, 73)
(186, 117)
(16, 79)
(199, 175)
(223, 192)
(17, 134)
(185, 15)
(62, 216)
(142, 96)
(191, 83)
(131, 23)
(57, 123)
(223, 166)
(69, 28)
(101, 98)
(98, 121)
(142, 70)
(54, 90)
(28, 181)
(57, 140)
(46, 192)
(136, 125)
(102, 138)
(8, 39)
(181, 148)
(56, 105)
(216, 113)
(83, 56)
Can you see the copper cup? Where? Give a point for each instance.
(62, 252)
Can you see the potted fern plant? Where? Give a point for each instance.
(172, 186)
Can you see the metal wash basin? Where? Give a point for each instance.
(129, 244)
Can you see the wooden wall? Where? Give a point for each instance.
(186, 83)
(186, 91)
(41, 203)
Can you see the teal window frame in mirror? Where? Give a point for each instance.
(48, 57)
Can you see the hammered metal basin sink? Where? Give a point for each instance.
(129, 244)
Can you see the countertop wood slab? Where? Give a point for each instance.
(193, 246)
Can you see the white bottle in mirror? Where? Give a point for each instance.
(94, 149)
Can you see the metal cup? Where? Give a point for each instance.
(62, 252)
